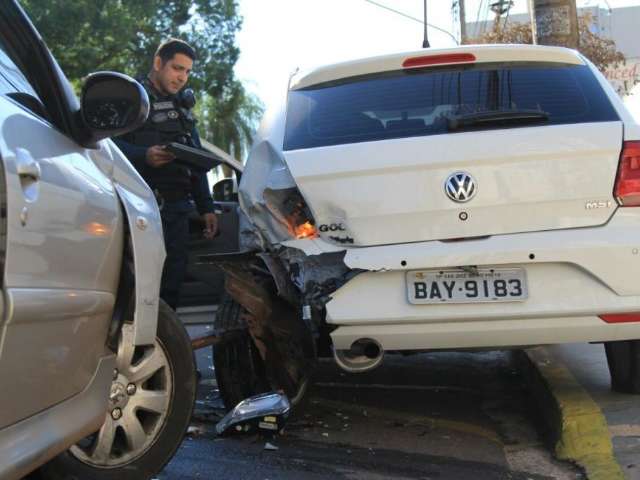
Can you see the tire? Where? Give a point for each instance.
(623, 359)
(121, 451)
(239, 368)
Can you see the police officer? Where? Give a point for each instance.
(176, 185)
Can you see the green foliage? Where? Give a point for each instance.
(230, 118)
(122, 35)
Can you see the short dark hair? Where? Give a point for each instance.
(167, 49)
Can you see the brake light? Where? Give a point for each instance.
(306, 230)
(627, 188)
(289, 207)
(621, 317)
(444, 58)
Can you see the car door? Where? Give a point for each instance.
(203, 285)
(60, 239)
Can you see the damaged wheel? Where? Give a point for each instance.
(150, 406)
(239, 367)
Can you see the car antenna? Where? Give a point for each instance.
(425, 42)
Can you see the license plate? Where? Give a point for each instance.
(459, 286)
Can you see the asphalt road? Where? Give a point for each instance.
(429, 416)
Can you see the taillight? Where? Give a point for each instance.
(627, 188)
(442, 59)
(305, 230)
(621, 317)
(298, 217)
(289, 207)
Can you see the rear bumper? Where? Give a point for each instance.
(485, 334)
(30, 443)
(573, 276)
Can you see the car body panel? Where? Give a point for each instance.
(482, 53)
(497, 334)
(575, 274)
(266, 170)
(393, 191)
(62, 263)
(41, 437)
(145, 227)
(52, 343)
(72, 212)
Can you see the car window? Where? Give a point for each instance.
(15, 85)
(421, 102)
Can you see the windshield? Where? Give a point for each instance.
(422, 102)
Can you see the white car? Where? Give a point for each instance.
(466, 198)
(97, 375)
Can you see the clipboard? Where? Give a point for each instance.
(193, 157)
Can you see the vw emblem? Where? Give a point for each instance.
(460, 187)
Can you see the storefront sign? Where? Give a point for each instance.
(624, 77)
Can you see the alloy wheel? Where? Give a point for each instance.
(139, 402)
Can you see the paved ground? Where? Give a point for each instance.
(444, 416)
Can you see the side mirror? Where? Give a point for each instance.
(112, 104)
(225, 190)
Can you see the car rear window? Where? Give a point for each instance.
(412, 103)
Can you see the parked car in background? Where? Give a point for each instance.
(98, 375)
(468, 198)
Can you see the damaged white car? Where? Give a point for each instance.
(468, 198)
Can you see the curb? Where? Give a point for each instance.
(578, 428)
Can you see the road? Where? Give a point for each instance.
(428, 416)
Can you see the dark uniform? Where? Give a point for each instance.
(176, 186)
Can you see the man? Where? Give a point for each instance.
(176, 185)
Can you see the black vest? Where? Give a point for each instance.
(168, 122)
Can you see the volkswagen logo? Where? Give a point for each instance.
(460, 187)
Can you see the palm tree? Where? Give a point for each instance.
(230, 121)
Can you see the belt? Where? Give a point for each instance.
(172, 195)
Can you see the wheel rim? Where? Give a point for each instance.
(139, 402)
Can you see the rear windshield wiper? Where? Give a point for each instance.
(456, 122)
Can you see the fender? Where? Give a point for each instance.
(145, 227)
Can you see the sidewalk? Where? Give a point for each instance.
(588, 365)
(587, 415)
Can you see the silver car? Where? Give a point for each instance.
(97, 375)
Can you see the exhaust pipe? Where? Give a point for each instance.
(365, 354)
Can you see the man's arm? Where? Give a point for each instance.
(144, 157)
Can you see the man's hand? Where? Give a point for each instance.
(158, 156)
(211, 225)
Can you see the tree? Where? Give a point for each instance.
(230, 118)
(90, 35)
(601, 51)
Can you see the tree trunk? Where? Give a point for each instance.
(463, 23)
(555, 22)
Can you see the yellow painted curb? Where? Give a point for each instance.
(581, 429)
